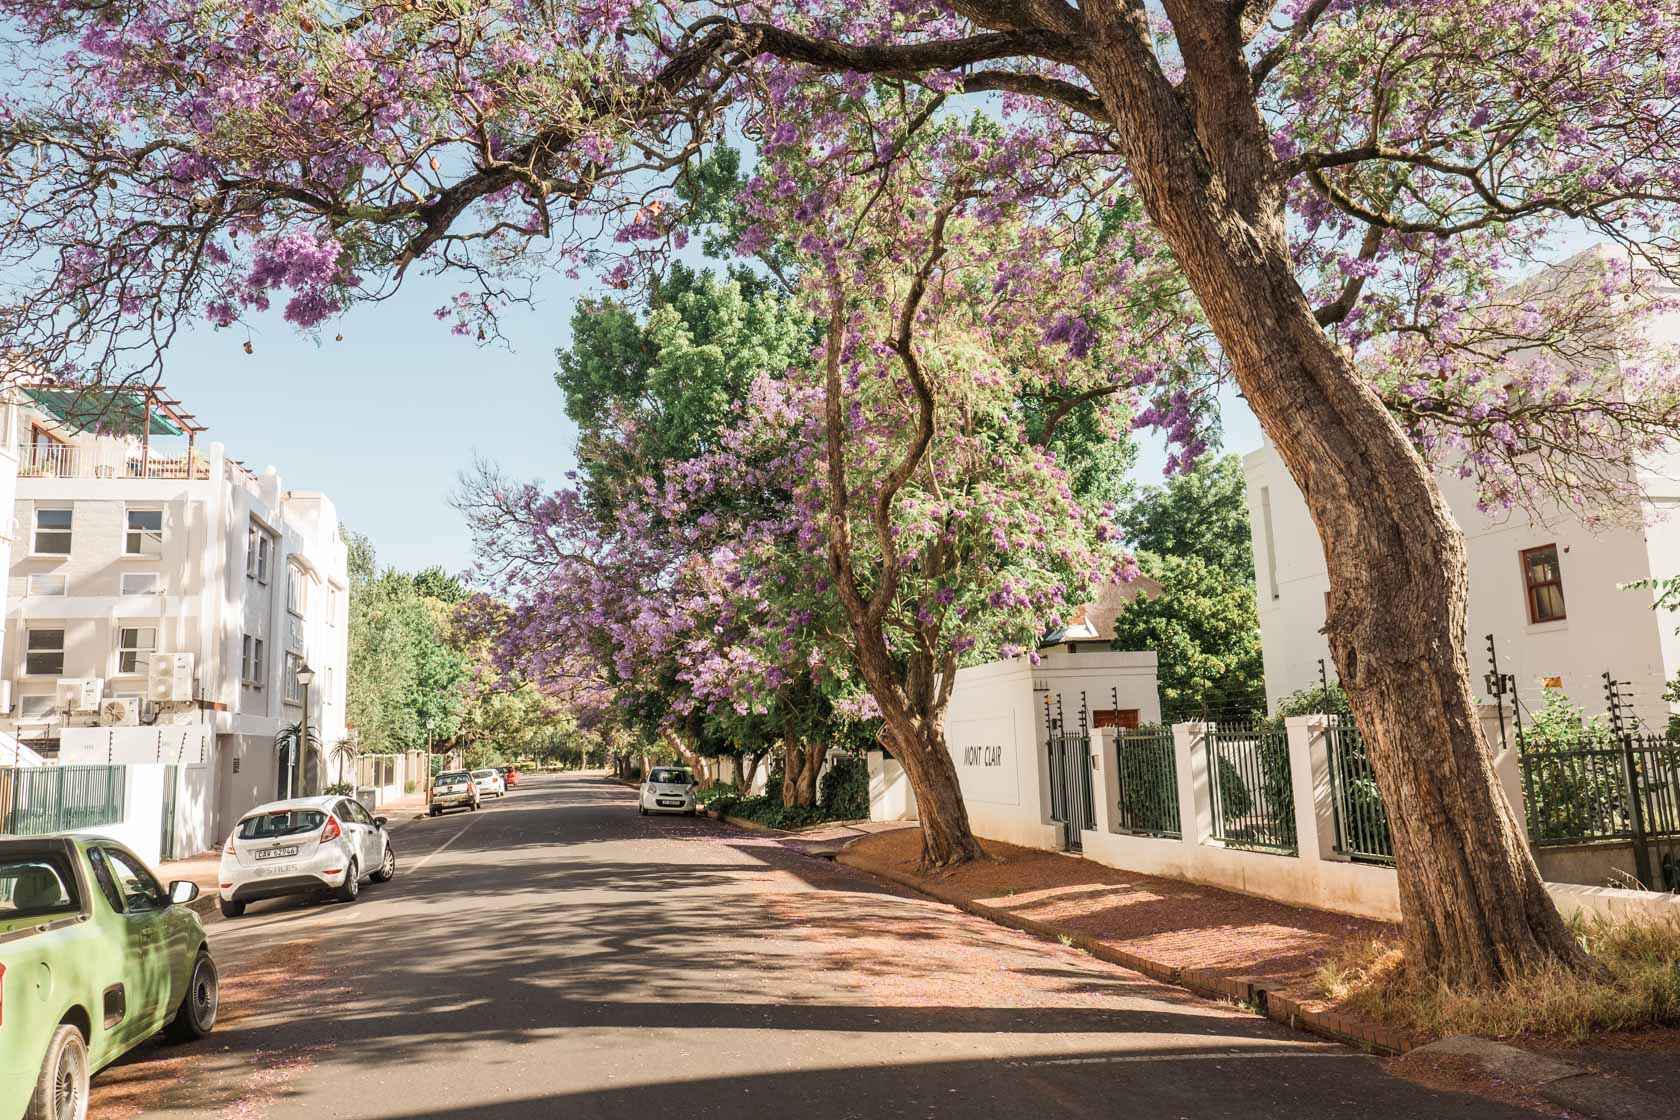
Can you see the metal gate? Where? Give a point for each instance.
(1071, 800)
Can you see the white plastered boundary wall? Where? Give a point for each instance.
(147, 753)
(994, 731)
(1317, 875)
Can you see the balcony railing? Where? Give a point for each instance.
(57, 460)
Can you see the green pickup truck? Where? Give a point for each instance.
(95, 958)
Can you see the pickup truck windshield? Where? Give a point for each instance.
(285, 822)
(40, 884)
(454, 778)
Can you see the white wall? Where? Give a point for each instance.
(991, 733)
(995, 731)
(1607, 628)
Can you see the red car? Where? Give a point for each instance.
(510, 776)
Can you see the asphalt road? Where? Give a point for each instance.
(557, 955)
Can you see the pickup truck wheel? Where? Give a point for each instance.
(232, 909)
(352, 885)
(197, 1013)
(436, 811)
(61, 1090)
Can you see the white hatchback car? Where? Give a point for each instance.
(308, 845)
(489, 782)
(669, 789)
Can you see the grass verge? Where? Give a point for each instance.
(1642, 958)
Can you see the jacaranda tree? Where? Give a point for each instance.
(1343, 184)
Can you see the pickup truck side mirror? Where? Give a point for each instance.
(379, 822)
(182, 891)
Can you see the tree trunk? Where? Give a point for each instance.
(1475, 910)
(809, 771)
(793, 759)
(749, 769)
(947, 838)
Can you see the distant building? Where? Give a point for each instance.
(162, 598)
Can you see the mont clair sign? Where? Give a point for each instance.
(984, 750)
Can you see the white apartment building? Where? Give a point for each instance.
(140, 558)
(1551, 590)
(1553, 594)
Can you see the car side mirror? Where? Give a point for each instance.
(379, 822)
(182, 891)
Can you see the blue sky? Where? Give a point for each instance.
(385, 421)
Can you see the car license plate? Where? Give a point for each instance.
(276, 853)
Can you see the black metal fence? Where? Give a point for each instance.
(1253, 791)
(1147, 774)
(1356, 804)
(1581, 790)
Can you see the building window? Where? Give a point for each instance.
(47, 583)
(141, 583)
(44, 653)
(145, 533)
(294, 690)
(135, 646)
(332, 605)
(52, 532)
(297, 590)
(1543, 580)
(259, 553)
(251, 662)
(35, 705)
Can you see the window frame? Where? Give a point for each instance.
(130, 533)
(69, 532)
(292, 691)
(297, 591)
(259, 553)
(29, 633)
(1530, 586)
(251, 654)
(63, 583)
(142, 656)
(50, 710)
(159, 895)
(124, 577)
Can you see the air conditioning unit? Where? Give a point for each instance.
(79, 694)
(120, 712)
(171, 678)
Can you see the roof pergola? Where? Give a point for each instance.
(143, 410)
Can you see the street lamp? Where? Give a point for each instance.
(305, 677)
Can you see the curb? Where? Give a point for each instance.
(1600, 1096)
(1279, 1004)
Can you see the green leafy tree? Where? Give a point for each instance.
(405, 680)
(1202, 513)
(1203, 627)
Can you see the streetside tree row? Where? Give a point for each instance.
(1344, 187)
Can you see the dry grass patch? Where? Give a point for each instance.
(1642, 958)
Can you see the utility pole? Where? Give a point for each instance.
(1630, 780)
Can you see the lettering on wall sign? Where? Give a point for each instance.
(983, 755)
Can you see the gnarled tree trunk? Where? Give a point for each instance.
(809, 771)
(1475, 908)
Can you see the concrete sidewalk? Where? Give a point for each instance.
(1231, 946)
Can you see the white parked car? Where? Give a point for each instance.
(669, 789)
(489, 782)
(308, 845)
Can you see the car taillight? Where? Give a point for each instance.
(227, 849)
(330, 831)
(2, 995)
